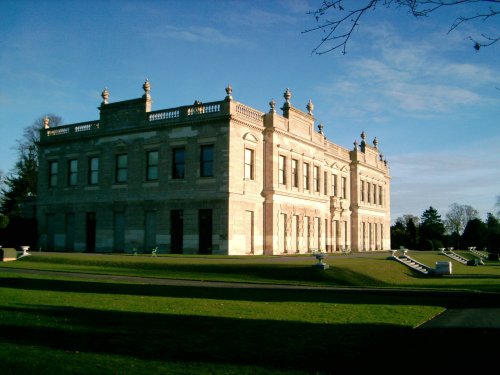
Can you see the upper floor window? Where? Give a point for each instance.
(93, 170)
(368, 192)
(53, 169)
(178, 162)
(249, 164)
(325, 182)
(305, 174)
(334, 185)
(344, 188)
(207, 161)
(362, 191)
(121, 171)
(152, 165)
(316, 178)
(375, 195)
(295, 173)
(380, 195)
(72, 172)
(282, 170)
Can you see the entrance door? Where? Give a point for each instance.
(119, 231)
(70, 231)
(205, 231)
(249, 232)
(90, 229)
(150, 231)
(176, 231)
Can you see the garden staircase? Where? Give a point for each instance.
(451, 254)
(412, 263)
(477, 252)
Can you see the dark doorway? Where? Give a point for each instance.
(150, 231)
(205, 231)
(90, 227)
(176, 231)
(119, 231)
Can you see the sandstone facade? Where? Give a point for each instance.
(218, 177)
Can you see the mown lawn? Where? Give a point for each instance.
(58, 324)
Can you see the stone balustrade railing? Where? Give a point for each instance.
(249, 112)
(69, 129)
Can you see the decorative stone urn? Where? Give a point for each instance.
(320, 257)
(25, 251)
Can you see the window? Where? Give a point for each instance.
(53, 167)
(375, 195)
(72, 172)
(207, 161)
(178, 160)
(249, 164)
(121, 168)
(152, 165)
(334, 184)
(380, 196)
(368, 191)
(316, 178)
(93, 170)
(305, 169)
(295, 173)
(362, 191)
(344, 187)
(325, 183)
(282, 170)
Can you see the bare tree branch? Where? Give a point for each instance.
(338, 30)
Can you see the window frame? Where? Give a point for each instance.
(119, 179)
(316, 178)
(93, 173)
(72, 172)
(249, 164)
(152, 166)
(295, 173)
(178, 165)
(305, 176)
(53, 173)
(207, 165)
(282, 169)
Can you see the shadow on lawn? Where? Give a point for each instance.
(264, 293)
(277, 344)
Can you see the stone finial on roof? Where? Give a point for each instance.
(229, 92)
(272, 104)
(375, 142)
(105, 95)
(310, 107)
(320, 128)
(287, 94)
(147, 88)
(363, 135)
(46, 122)
(356, 144)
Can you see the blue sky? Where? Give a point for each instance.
(431, 100)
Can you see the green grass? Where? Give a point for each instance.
(62, 324)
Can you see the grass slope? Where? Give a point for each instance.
(64, 324)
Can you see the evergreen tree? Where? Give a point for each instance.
(493, 234)
(431, 230)
(475, 234)
(22, 181)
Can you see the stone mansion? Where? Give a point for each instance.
(210, 178)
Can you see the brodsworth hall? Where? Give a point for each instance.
(208, 178)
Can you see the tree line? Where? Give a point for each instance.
(461, 228)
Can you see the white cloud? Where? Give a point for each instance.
(194, 34)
